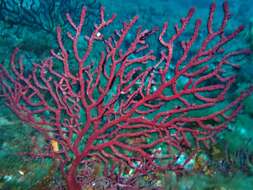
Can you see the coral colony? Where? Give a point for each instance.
(113, 101)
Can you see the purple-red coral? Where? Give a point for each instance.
(118, 103)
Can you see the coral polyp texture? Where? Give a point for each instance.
(108, 98)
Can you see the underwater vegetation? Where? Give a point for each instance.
(112, 113)
(38, 19)
(42, 14)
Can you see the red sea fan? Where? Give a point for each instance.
(128, 108)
